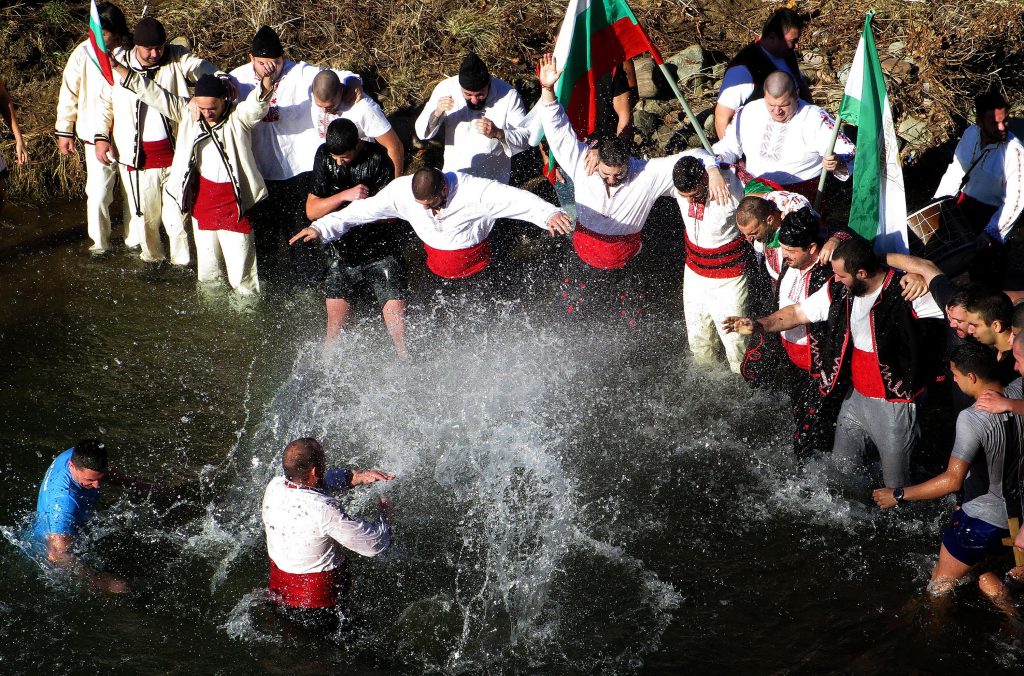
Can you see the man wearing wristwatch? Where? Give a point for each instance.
(987, 444)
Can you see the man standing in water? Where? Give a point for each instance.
(67, 500)
(306, 529)
(986, 446)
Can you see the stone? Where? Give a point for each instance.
(894, 65)
(896, 48)
(655, 107)
(645, 123)
(813, 60)
(915, 131)
(646, 84)
(687, 64)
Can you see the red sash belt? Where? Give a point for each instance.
(605, 252)
(800, 355)
(867, 379)
(216, 209)
(460, 263)
(723, 262)
(305, 590)
(977, 213)
(156, 154)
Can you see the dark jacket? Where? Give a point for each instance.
(760, 67)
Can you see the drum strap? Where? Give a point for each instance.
(967, 174)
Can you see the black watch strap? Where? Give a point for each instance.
(897, 494)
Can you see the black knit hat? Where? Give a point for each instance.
(266, 44)
(149, 33)
(473, 75)
(800, 229)
(211, 85)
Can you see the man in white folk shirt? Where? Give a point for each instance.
(987, 178)
(612, 206)
(785, 139)
(307, 532)
(214, 176)
(284, 143)
(890, 347)
(80, 88)
(717, 256)
(143, 139)
(451, 212)
(482, 118)
(338, 94)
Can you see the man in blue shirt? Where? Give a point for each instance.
(67, 500)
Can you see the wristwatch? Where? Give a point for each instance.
(897, 495)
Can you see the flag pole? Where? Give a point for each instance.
(824, 174)
(686, 108)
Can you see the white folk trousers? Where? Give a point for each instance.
(147, 187)
(234, 251)
(706, 303)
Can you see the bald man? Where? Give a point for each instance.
(307, 529)
(785, 139)
(339, 94)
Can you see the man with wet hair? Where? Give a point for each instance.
(451, 212)
(887, 345)
(368, 260)
(989, 316)
(67, 501)
(983, 463)
(142, 142)
(986, 177)
(785, 140)
(715, 280)
(482, 118)
(612, 206)
(80, 87)
(308, 530)
(338, 94)
(745, 75)
(282, 143)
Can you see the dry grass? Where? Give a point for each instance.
(403, 47)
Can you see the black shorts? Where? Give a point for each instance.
(385, 278)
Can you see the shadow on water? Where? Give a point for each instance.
(571, 500)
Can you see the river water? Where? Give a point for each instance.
(571, 499)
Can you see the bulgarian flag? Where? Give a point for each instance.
(879, 208)
(97, 47)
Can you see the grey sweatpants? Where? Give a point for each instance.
(891, 427)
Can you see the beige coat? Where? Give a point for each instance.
(81, 89)
(232, 135)
(122, 111)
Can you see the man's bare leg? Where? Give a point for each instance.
(339, 311)
(394, 319)
(947, 572)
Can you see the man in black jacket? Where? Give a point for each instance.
(368, 260)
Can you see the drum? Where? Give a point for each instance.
(941, 233)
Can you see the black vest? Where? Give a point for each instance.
(908, 349)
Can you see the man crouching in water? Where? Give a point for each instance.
(305, 526)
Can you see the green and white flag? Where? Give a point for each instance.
(879, 208)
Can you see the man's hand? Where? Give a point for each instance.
(20, 150)
(444, 105)
(265, 69)
(718, 191)
(591, 160)
(103, 149)
(66, 146)
(559, 224)
(744, 326)
(913, 287)
(1018, 541)
(193, 110)
(991, 401)
(488, 129)
(827, 249)
(883, 497)
(385, 508)
(305, 235)
(369, 476)
(830, 163)
(558, 176)
(359, 192)
(548, 73)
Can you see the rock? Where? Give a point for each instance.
(813, 60)
(896, 48)
(914, 130)
(645, 123)
(718, 71)
(843, 74)
(894, 65)
(654, 107)
(687, 63)
(646, 85)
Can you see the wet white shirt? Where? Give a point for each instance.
(365, 113)
(465, 220)
(623, 209)
(211, 163)
(784, 152)
(285, 141)
(714, 225)
(305, 528)
(467, 150)
(997, 179)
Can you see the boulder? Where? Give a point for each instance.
(914, 130)
(646, 84)
(687, 64)
(655, 107)
(645, 123)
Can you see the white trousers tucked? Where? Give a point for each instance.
(706, 302)
(147, 186)
(99, 193)
(232, 250)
